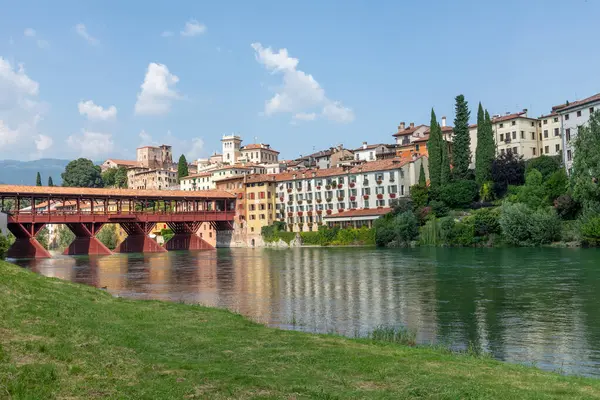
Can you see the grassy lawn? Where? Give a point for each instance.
(63, 340)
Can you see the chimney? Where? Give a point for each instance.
(402, 126)
(364, 146)
(443, 121)
(525, 111)
(412, 125)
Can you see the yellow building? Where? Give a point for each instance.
(549, 132)
(260, 201)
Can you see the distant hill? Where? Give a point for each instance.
(24, 172)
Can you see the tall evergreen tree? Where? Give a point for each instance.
(38, 180)
(486, 151)
(422, 179)
(461, 152)
(50, 182)
(182, 167)
(445, 173)
(434, 148)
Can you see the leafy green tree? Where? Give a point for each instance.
(419, 195)
(547, 165)
(82, 173)
(182, 167)
(108, 177)
(532, 193)
(556, 185)
(38, 180)
(108, 236)
(50, 181)
(64, 237)
(507, 169)
(4, 245)
(485, 151)
(121, 178)
(523, 226)
(586, 162)
(459, 193)
(434, 148)
(422, 179)
(43, 237)
(461, 155)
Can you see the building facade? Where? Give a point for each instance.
(549, 134)
(259, 153)
(304, 198)
(261, 195)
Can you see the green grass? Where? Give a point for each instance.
(68, 341)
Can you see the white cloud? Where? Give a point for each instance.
(191, 148)
(157, 91)
(95, 112)
(7, 136)
(15, 85)
(299, 94)
(42, 44)
(91, 144)
(193, 28)
(82, 31)
(146, 139)
(29, 32)
(43, 142)
(166, 34)
(305, 116)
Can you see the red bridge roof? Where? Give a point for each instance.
(60, 191)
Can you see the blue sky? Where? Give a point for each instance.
(298, 76)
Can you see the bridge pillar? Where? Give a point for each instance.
(137, 240)
(185, 237)
(26, 245)
(86, 241)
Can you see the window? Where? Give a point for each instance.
(417, 147)
(557, 148)
(568, 134)
(502, 151)
(379, 190)
(366, 191)
(393, 189)
(353, 205)
(514, 135)
(522, 134)
(515, 150)
(532, 135)
(533, 151)
(547, 149)
(380, 203)
(402, 190)
(392, 176)
(579, 113)
(545, 133)
(366, 204)
(556, 132)
(545, 122)
(569, 155)
(532, 123)
(514, 123)
(541, 150)
(501, 125)
(566, 117)
(502, 137)
(591, 110)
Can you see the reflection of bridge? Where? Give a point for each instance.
(86, 210)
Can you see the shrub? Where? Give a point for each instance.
(424, 214)
(523, 227)
(401, 205)
(460, 193)
(532, 193)
(463, 234)
(406, 227)
(590, 231)
(429, 234)
(439, 208)
(419, 195)
(486, 221)
(486, 193)
(566, 207)
(546, 165)
(556, 185)
(4, 245)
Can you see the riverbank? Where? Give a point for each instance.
(60, 339)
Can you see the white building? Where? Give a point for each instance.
(572, 116)
(369, 152)
(231, 148)
(304, 198)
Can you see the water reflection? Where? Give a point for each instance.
(523, 305)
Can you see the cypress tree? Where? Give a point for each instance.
(182, 167)
(50, 182)
(486, 149)
(461, 152)
(422, 179)
(38, 180)
(434, 148)
(445, 173)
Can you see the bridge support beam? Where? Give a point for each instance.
(86, 241)
(26, 245)
(185, 237)
(137, 240)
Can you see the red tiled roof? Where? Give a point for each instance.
(578, 103)
(369, 147)
(198, 175)
(53, 191)
(522, 114)
(259, 146)
(409, 130)
(369, 212)
(123, 162)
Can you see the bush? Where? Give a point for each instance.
(429, 234)
(439, 208)
(546, 165)
(4, 245)
(590, 231)
(486, 193)
(507, 169)
(566, 207)
(275, 232)
(419, 195)
(460, 193)
(556, 185)
(454, 233)
(486, 221)
(424, 214)
(400, 229)
(401, 205)
(532, 193)
(522, 226)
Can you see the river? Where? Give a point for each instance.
(533, 306)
